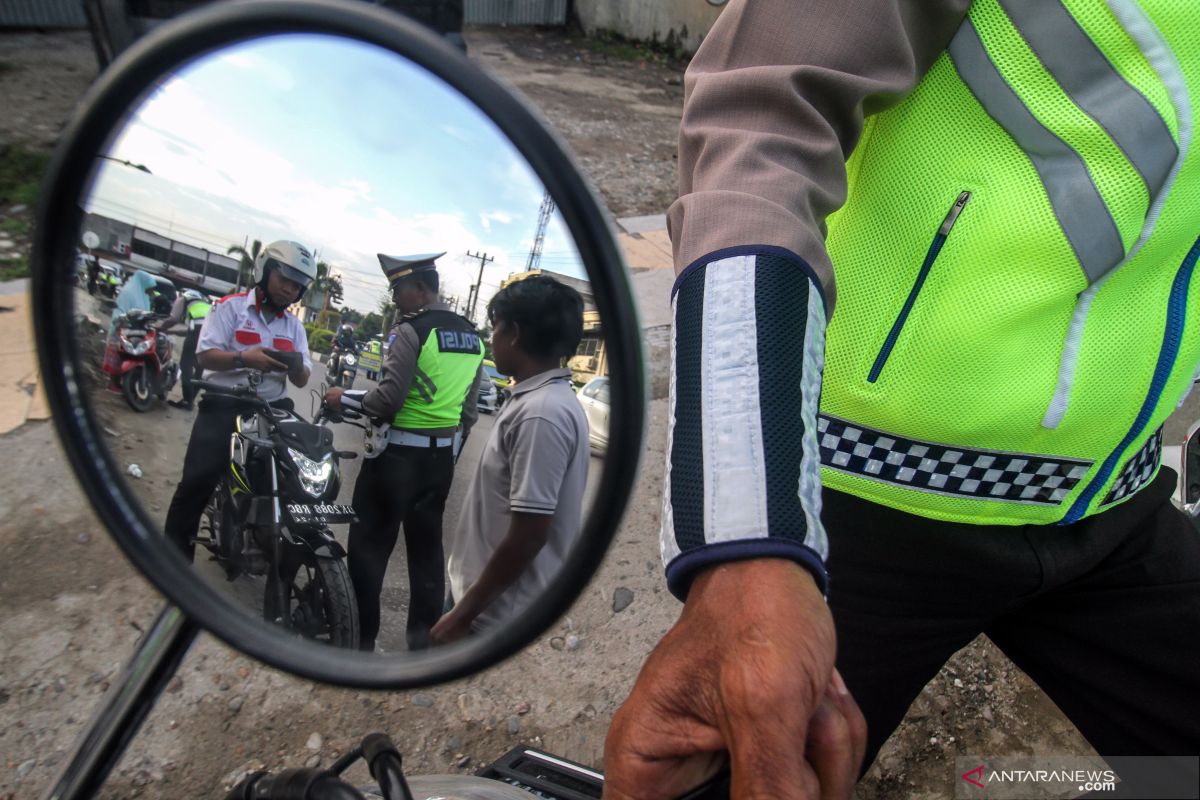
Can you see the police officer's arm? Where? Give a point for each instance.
(774, 104)
(470, 409)
(386, 399)
(177, 315)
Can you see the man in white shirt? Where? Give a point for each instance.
(248, 331)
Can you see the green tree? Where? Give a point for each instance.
(387, 310)
(370, 325)
(485, 334)
(246, 267)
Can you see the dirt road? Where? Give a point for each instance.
(73, 608)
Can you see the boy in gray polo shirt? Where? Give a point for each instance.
(523, 510)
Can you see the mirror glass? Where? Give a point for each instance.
(305, 157)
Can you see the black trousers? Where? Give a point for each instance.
(409, 486)
(189, 369)
(204, 463)
(1101, 614)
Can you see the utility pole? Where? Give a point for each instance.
(473, 298)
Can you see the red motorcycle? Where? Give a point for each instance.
(140, 359)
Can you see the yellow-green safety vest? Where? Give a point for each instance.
(1017, 312)
(447, 363)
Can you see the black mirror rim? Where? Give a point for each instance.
(106, 105)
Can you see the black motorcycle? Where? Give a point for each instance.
(343, 367)
(270, 516)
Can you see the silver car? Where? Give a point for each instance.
(594, 399)
(489, 399)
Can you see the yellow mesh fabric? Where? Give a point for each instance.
(1116, 179)
(1136, 292)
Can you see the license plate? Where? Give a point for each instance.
(134, 332)
(320, 512)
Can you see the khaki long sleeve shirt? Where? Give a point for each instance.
(774, 103)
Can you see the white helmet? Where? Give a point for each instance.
(292, 259)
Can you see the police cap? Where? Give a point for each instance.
(397, 267)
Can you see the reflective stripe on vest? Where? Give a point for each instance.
(1085, 82)
(446, 368)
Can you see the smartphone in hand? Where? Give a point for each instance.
(292, 360)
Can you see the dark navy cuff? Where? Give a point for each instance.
(683, 569)
(353, 399)
(753, 250)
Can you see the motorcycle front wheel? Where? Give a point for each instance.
(135, 386)
(320, 598)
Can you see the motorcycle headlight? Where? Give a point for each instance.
(135, 348)
(314, 475)
(350, 361)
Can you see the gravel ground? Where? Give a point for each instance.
(75, 608)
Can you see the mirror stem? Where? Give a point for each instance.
(126, 705)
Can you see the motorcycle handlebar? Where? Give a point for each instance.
(243, 393)
(294, 784)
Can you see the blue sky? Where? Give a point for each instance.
(340, 145)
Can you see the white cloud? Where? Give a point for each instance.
(502, 217)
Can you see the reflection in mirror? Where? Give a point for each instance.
(341, 343)
(1189, 477)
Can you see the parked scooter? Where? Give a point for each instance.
(143, 362)
(108, 281)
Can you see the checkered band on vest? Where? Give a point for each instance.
(954, 471)
(1138, 470)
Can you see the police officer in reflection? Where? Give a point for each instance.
(191, 308)
(429, 389)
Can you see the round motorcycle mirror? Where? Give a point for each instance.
(255, 177)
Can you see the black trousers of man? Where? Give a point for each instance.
(1101, 613)
(409, 486)
(189, 368)
(206, 460)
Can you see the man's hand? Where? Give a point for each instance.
(747, 670)
(257, 358)
(333, 398)
(453, 626)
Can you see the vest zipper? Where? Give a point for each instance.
(930, 257)
(1172, 335)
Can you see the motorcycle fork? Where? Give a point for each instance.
(127, 703)
(281, 589)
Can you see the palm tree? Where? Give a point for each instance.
(329, 284)
(246, 267)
